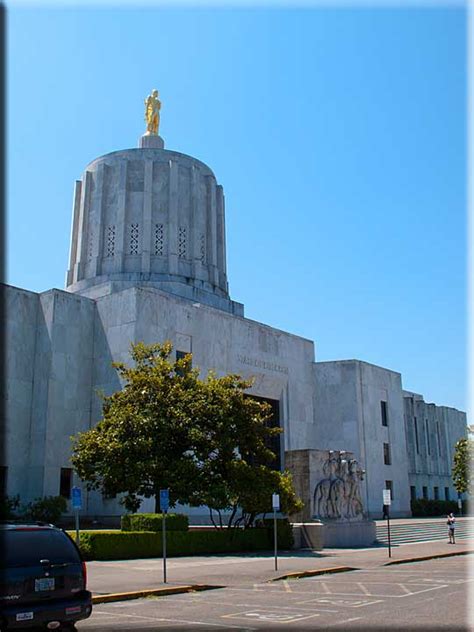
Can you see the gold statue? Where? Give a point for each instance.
(152, 113)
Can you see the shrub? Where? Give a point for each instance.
(114, 545)
(47, 509)
(423, 507)
(154, 522)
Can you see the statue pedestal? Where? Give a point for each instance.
(349, 534)
(319, 535)
(151, 141)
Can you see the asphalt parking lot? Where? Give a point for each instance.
(422, 595)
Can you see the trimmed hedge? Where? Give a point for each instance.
(120, 545)
(427, 507)
(284, 532)
(154, 522)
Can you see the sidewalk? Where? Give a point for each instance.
(124, 576)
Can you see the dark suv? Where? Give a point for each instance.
(43, 578)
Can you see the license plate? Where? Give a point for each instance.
(24, 616)
(45, 583)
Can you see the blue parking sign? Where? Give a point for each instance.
(76, 497)
(164, 499)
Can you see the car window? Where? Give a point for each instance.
(24, 547)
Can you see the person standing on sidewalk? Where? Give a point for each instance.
(451, 526)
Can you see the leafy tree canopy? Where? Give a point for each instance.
(204, 440)
(462, 466)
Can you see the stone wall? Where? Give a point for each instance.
(347, 402)
(432, 432)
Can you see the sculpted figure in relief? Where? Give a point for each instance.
(152, 113)
(337, 496)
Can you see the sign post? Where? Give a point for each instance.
(164, 506)
(387, 501)
(276, 507)
(76, 497)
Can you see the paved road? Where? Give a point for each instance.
(233, 570)
(422, 595)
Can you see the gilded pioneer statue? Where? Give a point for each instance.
(152, 113)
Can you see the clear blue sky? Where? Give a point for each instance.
(339, 136)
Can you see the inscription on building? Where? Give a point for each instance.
(262, 364)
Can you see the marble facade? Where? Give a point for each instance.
(148, 263)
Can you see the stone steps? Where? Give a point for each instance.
(422, 532)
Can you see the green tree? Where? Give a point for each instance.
(462, 466)
(204, 440)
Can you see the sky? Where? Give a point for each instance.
(338, 134)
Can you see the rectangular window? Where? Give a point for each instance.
(3, 480)
(425, 492)
(179, 356)
(436, 493)
(446, 493)
(413, 492)
(416, 437)
(389, 485)
(427, 432)
(65, 482)
(386, 454)
(383, 410)
(439, 438)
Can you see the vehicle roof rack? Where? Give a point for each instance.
(38, 523)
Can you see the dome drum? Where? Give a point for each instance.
(149, 215)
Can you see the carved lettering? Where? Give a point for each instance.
(262, 364)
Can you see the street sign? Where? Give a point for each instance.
(76, 497)
(164, 499)
(164, 506)
(387, 497)
(276, 502)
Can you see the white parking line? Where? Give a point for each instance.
(164, 620)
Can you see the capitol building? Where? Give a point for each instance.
(148, 263)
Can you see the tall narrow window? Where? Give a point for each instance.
(202, 249)
(446, 493)
(134, 239)
(3, 480)
(65, 482)
(416, 436)
(436, 492)
(389, 485)
(427, 432)
(90, 247)
(413, 492)
(386, 454)
(439, 438)
(383, 411)
(182, 242)
(110, 241)
(159, 239)
(425, 492)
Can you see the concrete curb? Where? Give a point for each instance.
(434, 556)
(138, 594)
(312, 573)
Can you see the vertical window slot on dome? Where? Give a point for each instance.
(110, 241)
(134, 239)
(202, 250)
(182, 242)
(159, 239)
(90, 246)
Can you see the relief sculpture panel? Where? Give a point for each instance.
(338, 495)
